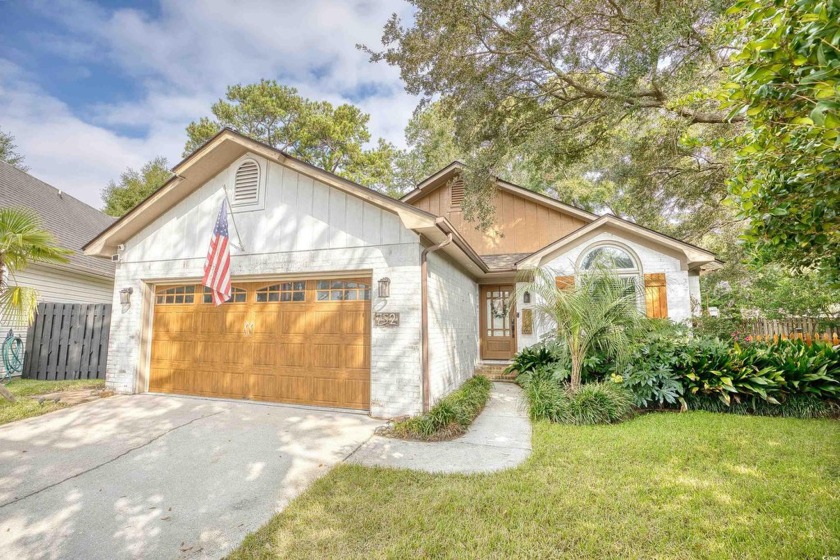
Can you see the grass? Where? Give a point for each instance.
(27, 407)
(663, 485)
(450, 416)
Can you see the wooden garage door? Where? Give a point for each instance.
(304, 341)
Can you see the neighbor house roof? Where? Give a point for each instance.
(70, 220)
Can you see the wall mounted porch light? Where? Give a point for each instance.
(125, 296)
(385, 287)
(526, 297)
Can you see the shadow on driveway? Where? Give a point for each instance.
(160, 476)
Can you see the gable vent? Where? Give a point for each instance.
(456, 193)
(246, 186)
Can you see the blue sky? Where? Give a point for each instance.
(90, 88)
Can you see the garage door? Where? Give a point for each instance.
(293, 341)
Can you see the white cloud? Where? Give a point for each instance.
(183, 59)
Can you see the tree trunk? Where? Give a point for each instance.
(576, 370)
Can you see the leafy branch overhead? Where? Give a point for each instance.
(786, 79)
(560, 76)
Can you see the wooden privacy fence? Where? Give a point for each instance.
(68, 341)
(803, 328)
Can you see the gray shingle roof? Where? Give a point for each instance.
(504, 261)
(71, 221)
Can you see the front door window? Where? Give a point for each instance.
(497, 308)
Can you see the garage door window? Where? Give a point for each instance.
(175, 295)
(342, 290)
(237, 295)
(284, 291)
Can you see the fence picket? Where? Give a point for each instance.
(806, 329)
(68, 341)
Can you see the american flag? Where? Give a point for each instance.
(217, 267)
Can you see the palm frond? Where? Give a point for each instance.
(18, 304)
(23, 240)
(598, 312)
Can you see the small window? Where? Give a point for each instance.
(284, 291)
(237, 295)
(175, 295)
(246, 188)
(342, 290)
(456, 193)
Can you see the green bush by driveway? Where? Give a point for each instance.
(663, 485)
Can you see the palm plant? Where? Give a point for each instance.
(23, 241)
(597, 314)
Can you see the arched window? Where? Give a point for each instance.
(246, 187)
(609, 256)
(619, 259)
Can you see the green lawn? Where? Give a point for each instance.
(26, 408)
(693, 485)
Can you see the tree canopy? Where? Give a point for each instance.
(9, 153)
(134, 186)
(327, 136)
(554, 82)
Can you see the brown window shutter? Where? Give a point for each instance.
(456, 193)
(564, 282)
(656, 298)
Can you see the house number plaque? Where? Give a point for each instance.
(386, 319)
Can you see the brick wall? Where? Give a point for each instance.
(453, 326)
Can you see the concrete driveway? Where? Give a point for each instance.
(149, 476)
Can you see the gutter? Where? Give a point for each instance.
(424, 316)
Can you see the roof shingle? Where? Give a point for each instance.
(71, 221)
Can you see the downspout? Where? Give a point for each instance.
(424, 315)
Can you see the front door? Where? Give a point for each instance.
(497, 322)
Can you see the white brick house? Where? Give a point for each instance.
(332, 306)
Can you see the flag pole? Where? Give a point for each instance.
(241, 247)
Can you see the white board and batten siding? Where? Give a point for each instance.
(59, 286)
(297, 226)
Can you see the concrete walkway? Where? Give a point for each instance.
(500, 438)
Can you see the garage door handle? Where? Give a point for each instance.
(248, 328)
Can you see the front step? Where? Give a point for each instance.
(495, 371)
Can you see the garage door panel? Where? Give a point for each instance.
(210, 322)
(306, 351)
(290, 355)
(357, 357)
(325, 322)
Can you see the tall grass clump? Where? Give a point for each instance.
(450, 416)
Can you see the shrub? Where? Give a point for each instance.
(556, 373)
(593, 403)
(598, 403)
(546, 399)
(811, 369)
(450, 416)
(542, 354)
(653, 373)
(794, 406)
